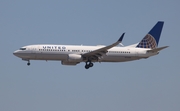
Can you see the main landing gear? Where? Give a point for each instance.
(88, 64)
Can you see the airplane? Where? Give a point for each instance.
(74, 54)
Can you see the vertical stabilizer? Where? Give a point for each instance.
(151, 40)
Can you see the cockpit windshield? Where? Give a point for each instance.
(22, 48)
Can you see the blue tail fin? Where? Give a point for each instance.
(151, 40)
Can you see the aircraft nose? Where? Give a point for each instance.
(15, 53)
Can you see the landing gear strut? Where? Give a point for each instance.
(88, 64)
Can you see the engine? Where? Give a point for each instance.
(75, 58)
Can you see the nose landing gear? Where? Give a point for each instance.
(28, 63)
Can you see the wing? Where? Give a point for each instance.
(94, 55)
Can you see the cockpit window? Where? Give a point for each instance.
(22, 48)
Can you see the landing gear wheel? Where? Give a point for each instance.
(28, 63)
(87, 66)
(91, 64)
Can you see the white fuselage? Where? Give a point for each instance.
(61, 52)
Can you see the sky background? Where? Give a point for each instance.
(151, 84)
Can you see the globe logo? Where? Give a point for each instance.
(148, 42)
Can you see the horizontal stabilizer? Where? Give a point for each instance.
(157, 49)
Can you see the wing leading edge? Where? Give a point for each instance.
(99, 52)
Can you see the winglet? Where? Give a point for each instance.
(121, 38)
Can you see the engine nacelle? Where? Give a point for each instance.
(75, 58)
(68, 63)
